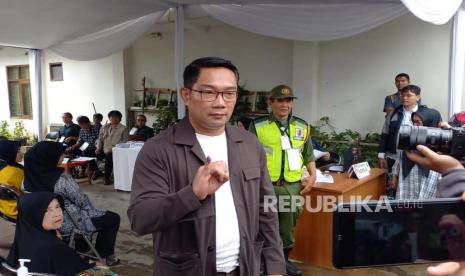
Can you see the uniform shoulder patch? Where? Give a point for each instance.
(300, 122)
(260, 121)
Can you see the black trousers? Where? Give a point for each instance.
(107, 226)
(108, 165)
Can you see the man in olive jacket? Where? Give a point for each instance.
(201, 186)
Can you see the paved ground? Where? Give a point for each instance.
(136, 252)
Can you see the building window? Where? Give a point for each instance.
(56, 71)
(19, 91)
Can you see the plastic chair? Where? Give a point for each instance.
(52, 136)
(334, 159)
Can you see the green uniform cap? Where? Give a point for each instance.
(282, 92)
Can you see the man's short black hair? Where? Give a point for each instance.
(115, 113)
(402, 75)
(83, 120)
(68, 115)
(192, 71)
(411, 88)
(98, 116)
(143, 116)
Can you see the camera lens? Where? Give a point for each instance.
(434, 138)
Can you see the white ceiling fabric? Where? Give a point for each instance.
(108, 41)
(39, 24)
(434, 11)
(316, 22)
(81, 29)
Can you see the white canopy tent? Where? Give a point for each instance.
(88, 30)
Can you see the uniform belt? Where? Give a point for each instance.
(282, 182)
(235, 272)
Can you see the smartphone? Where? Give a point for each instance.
(398, 232)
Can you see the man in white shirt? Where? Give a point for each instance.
(388, 153)
(200, 186)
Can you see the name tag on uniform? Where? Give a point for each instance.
(299, 134)
(61, 139)
(84, 146)
(133, 131)
(293, 159)
(285, 143)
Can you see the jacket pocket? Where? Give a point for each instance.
(173, 263)
(251, 173)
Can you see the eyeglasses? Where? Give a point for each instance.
(211, 95)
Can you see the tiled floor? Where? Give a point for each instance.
(136, 252)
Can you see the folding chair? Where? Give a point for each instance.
(14, 270)
(7, 193)
(77, 232)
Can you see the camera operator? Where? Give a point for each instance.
(451, 185)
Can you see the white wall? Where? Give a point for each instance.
(355, 74)
(84, 82)
(262, 61)
(10, 56)
(305, 71)
(345, 79)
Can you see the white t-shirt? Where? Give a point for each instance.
(227, 226)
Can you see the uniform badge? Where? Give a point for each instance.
(299, 134)
(285, 91)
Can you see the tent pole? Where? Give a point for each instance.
(35, 69)
(179, 58)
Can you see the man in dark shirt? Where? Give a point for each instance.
(85, 145)
(97, 119)
(87, 137)
(141, 132)
(69, 133)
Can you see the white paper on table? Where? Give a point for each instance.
(323, 178)
(293, 159)
(82, 158)
(84, 146)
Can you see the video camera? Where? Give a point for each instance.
(447, 141)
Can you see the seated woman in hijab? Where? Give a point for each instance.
(42, 174)
(412, 181)
(37, 238)
(11, 175)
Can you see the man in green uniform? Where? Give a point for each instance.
(288, 148)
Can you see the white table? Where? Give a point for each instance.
(124, 160)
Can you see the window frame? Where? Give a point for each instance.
(51, 66)
(21, 82)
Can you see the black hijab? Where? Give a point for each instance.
(48, 254)
(40, 166)
(8, 151)
(431, 118)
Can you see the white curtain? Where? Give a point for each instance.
(457, 61)
(35, 71)
(108, 41)
(312, 22)
(434, 11)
